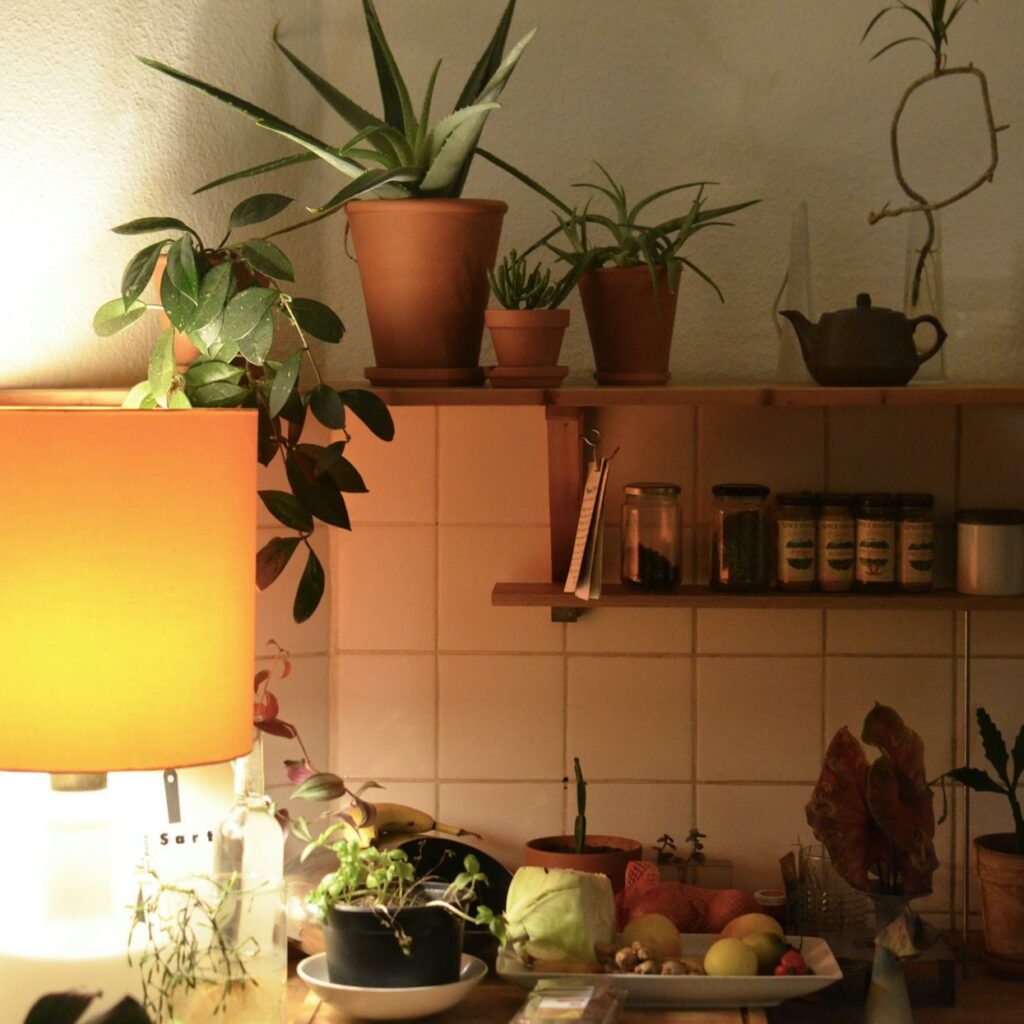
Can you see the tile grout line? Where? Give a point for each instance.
(437, 612)
(694, 550)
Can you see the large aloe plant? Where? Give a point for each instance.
(398, 155)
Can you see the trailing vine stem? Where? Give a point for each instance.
(921, 204)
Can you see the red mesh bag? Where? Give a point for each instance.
(645, 893)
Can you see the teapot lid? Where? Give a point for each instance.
(864, 306)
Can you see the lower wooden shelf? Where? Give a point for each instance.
(615, 595)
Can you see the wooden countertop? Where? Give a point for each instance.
(981, 999)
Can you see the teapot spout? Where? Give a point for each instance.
(806, 332)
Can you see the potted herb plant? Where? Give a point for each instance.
(383, 926)
(629, 281)
(527, 331)
(583, 851)
(221, 305)
(422, 264)
(999, 857)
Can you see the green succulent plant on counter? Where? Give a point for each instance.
(227, 302)
(517, 285)
(396, 156)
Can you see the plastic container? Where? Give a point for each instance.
(651, 544)
(739, 537)
(990, 551)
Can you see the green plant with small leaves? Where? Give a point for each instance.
(666, 851)
(1008, 766)
(517, 285)
(396, 156)
(628, 242)
(226, 300)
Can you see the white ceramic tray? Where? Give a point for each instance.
(699, 990)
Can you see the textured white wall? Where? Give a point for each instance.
(774, 99)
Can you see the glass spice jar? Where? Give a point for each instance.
(915, 542)
(837, 540)
(796, 524)
(739, 537)
(876, 542)
(651, 544)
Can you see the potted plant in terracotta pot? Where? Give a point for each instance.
(220, 306)
(584, 851)
(999, 857)
(527, 331)
(422, 264)
(629, 280)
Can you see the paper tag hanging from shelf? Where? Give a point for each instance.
(584, 576)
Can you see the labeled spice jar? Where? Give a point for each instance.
(915, 542)
(876, 542)
(837, 541)
(651, 545)
(739, 537)
(796, 532)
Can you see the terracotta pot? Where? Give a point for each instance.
(558, 852)
(527, 337)
(423, 265)
(1001, 872)
(631, 334)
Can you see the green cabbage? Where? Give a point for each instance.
(558, 914)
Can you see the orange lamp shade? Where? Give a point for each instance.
(127, 587)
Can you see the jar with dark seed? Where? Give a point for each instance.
(651, 542)
(739, 537)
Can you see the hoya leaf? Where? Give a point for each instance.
(144, 225)
(177, 305)
(256, 344)
(287, 509)
(327, 407)
(318, 495)
(257, 209)
(317, 319)
(139, 271)
(310, 590)
(245, 311)
(177, 399)
(161, 365)
(213, 293)
(272, 558)
(371, 410)
(211, 371)
(346, 477)
(181, 267)
(266, 258)
(220, 394)
(136, 396)
(284, 383)
(114, 316)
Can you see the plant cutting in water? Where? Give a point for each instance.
(399, 155)
(876, 820)
(935, 17)
(226, 300)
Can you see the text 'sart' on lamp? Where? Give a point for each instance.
(127, 624)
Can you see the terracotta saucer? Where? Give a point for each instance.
(633, 378)
(526, 376)
(425, 377)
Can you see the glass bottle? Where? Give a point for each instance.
(915, 542)
(797, 541)
(929, 296)
(249, 840)
(739, 537)
(837, 540)
(651, 545)
(876, 542)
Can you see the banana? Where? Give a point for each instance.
(387, 819)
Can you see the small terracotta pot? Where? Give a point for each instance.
(1001, 872)
(527, 337)
(558, 852)
(423, 265)
(630, 332)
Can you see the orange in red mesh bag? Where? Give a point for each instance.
(689, 907)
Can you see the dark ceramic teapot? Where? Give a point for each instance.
(868, 346)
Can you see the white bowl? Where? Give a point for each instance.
(391, 1003)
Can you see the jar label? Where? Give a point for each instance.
(876, 543)
(796, 551)
(917, 552)
(835, 550)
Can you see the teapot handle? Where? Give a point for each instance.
(940, 332)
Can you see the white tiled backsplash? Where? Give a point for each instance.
(713, 718)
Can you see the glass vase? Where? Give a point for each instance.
(925, 295)
(796, 293)
(888, 1001)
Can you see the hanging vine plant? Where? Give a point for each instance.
(936, 17)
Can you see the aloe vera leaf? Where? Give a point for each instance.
(424, 122)
(251, 172)
(526, 180)
(489, 61)
(703, 276)
(439, 134)
(397, 105)
(370, 181)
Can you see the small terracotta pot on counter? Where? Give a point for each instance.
(1001, 873)
(630, 325)
(423, 266)
(602, 855)
(527, 337)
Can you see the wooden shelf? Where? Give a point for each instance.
(614, 595)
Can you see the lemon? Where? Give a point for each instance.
(656, 932)
(768, 947)
(750, 924)
(730, 957)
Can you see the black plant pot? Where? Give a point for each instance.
(363, 950)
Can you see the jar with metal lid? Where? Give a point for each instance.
(796, 523)
(739, 537)
(915, 542)
(651, 544)
(876, 542)
(837, 541)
